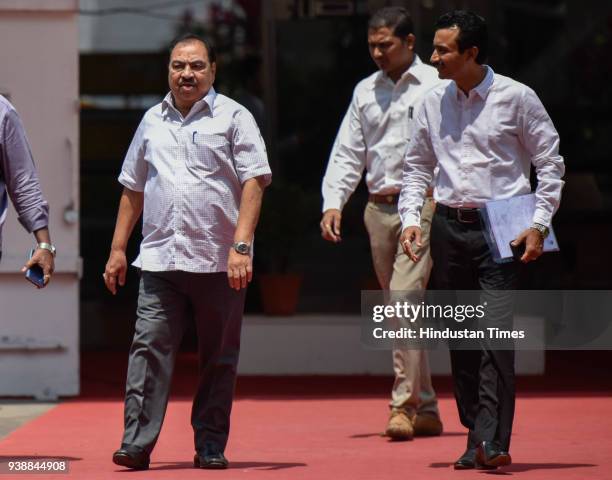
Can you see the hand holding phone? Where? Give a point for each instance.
(35, 274)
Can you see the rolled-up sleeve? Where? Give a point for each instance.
(541, 140)
(134, 170)
(418, 172)
(248, 149)
(20, 177)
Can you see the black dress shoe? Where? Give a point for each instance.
(489, 455)
(210, 460)
(132, 457)
(467, 460)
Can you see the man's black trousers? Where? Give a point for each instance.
(483, 377)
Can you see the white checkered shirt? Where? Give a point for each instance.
(191, 171)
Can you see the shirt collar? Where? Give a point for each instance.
(482, 89)
(415, 70)
(206, 100)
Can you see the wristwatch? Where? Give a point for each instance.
(242, 248)
(542, 229)
(48, 246)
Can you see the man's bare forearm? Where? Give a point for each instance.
(130, 208)
(250, 206)
(42, 235)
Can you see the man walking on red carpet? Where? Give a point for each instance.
(373, 136)
(196, 169)
(483, 132)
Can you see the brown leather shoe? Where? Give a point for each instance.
(427, 425)
(399, 426)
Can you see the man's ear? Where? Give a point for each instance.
(410, 40)
(213, 68)
(473, 53)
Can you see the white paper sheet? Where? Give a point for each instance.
(506, 219)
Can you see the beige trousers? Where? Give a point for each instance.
(412, 389)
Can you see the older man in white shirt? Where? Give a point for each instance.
(196, 168)
(373, 136)
(483, 132)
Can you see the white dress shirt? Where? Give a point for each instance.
(483, 145)
(191, 171)
(374, 134)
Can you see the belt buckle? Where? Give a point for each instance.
(460, 217)
(389, 199)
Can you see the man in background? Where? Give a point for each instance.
(373, 136)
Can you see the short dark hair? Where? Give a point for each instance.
(472, 31)
(192, 37)
(396, 18)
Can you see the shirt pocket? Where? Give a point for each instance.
(210, 152)
(372, 116)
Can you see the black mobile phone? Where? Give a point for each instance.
(518, 251)
(35, 274)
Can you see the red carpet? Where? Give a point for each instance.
(326, 433)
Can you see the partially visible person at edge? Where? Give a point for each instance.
(19, 182)
(373, 136)
(196, 168)
(483, 132)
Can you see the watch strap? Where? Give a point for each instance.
(47, 246)
(542, 229)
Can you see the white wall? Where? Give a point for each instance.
(39, 58)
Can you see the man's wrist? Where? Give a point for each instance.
(543, 230)
(330, 209)
(332, 205)
(47, 246)
(410, 224)
(243, 248)
(42, 235)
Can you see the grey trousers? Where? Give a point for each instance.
(412, 388)
(167, 301)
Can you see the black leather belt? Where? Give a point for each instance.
(462, 215)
